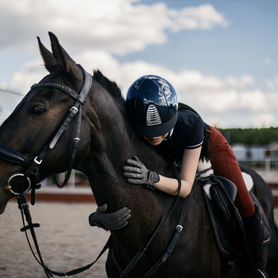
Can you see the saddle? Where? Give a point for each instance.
(220, 194)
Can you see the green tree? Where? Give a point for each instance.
(251, 136)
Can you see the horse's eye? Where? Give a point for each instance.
(38, 109)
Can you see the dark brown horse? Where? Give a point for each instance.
(106, 142)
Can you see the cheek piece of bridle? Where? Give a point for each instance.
(20, 183)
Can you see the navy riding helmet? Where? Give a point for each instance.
(152, 106)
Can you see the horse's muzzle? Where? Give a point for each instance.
(19, 184)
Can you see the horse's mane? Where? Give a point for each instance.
(110, 87)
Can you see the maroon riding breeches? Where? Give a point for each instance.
(225, 164)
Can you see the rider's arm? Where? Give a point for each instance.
(188, 172)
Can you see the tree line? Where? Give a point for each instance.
(251, 136)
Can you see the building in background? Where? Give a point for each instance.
(257, 156)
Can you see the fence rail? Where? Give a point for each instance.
(265, 165)
(78, 189)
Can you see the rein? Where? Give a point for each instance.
(178, 229)
(20, 183)
(26, 215)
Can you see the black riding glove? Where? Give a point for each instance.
(110, 221)
(137, 173)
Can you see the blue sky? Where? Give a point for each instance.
(221, 56)
(248, 45)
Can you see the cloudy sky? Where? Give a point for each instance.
(221, 56)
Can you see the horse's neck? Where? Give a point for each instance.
(106, 169)
(114, 144)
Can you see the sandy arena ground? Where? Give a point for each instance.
(65, 237)
(66, 240)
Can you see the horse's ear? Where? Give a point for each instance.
(63, 59)
(48, 58)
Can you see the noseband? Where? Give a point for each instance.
(20, 183)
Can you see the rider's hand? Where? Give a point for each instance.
(110, 221)
(137, 173)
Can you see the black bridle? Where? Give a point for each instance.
(20, 183)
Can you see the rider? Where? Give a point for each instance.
(152, 108)
(182, 135)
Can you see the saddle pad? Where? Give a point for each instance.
(248, 181)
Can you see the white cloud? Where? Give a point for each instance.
(117, 26)
(204, 17)
(30, 73)
(104, 28)
(231, 101)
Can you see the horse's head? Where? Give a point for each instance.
(36, 135)
(41, 136)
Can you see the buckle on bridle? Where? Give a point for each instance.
(37, 160)
(19, 184)
(179, 228)
(74, 110)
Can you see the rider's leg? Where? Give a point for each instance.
(224, 163)
(254, 240)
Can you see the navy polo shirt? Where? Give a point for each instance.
(188, 133)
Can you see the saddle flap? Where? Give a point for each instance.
(227, 186)
(219, 195)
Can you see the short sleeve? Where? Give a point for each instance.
(196, 135)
